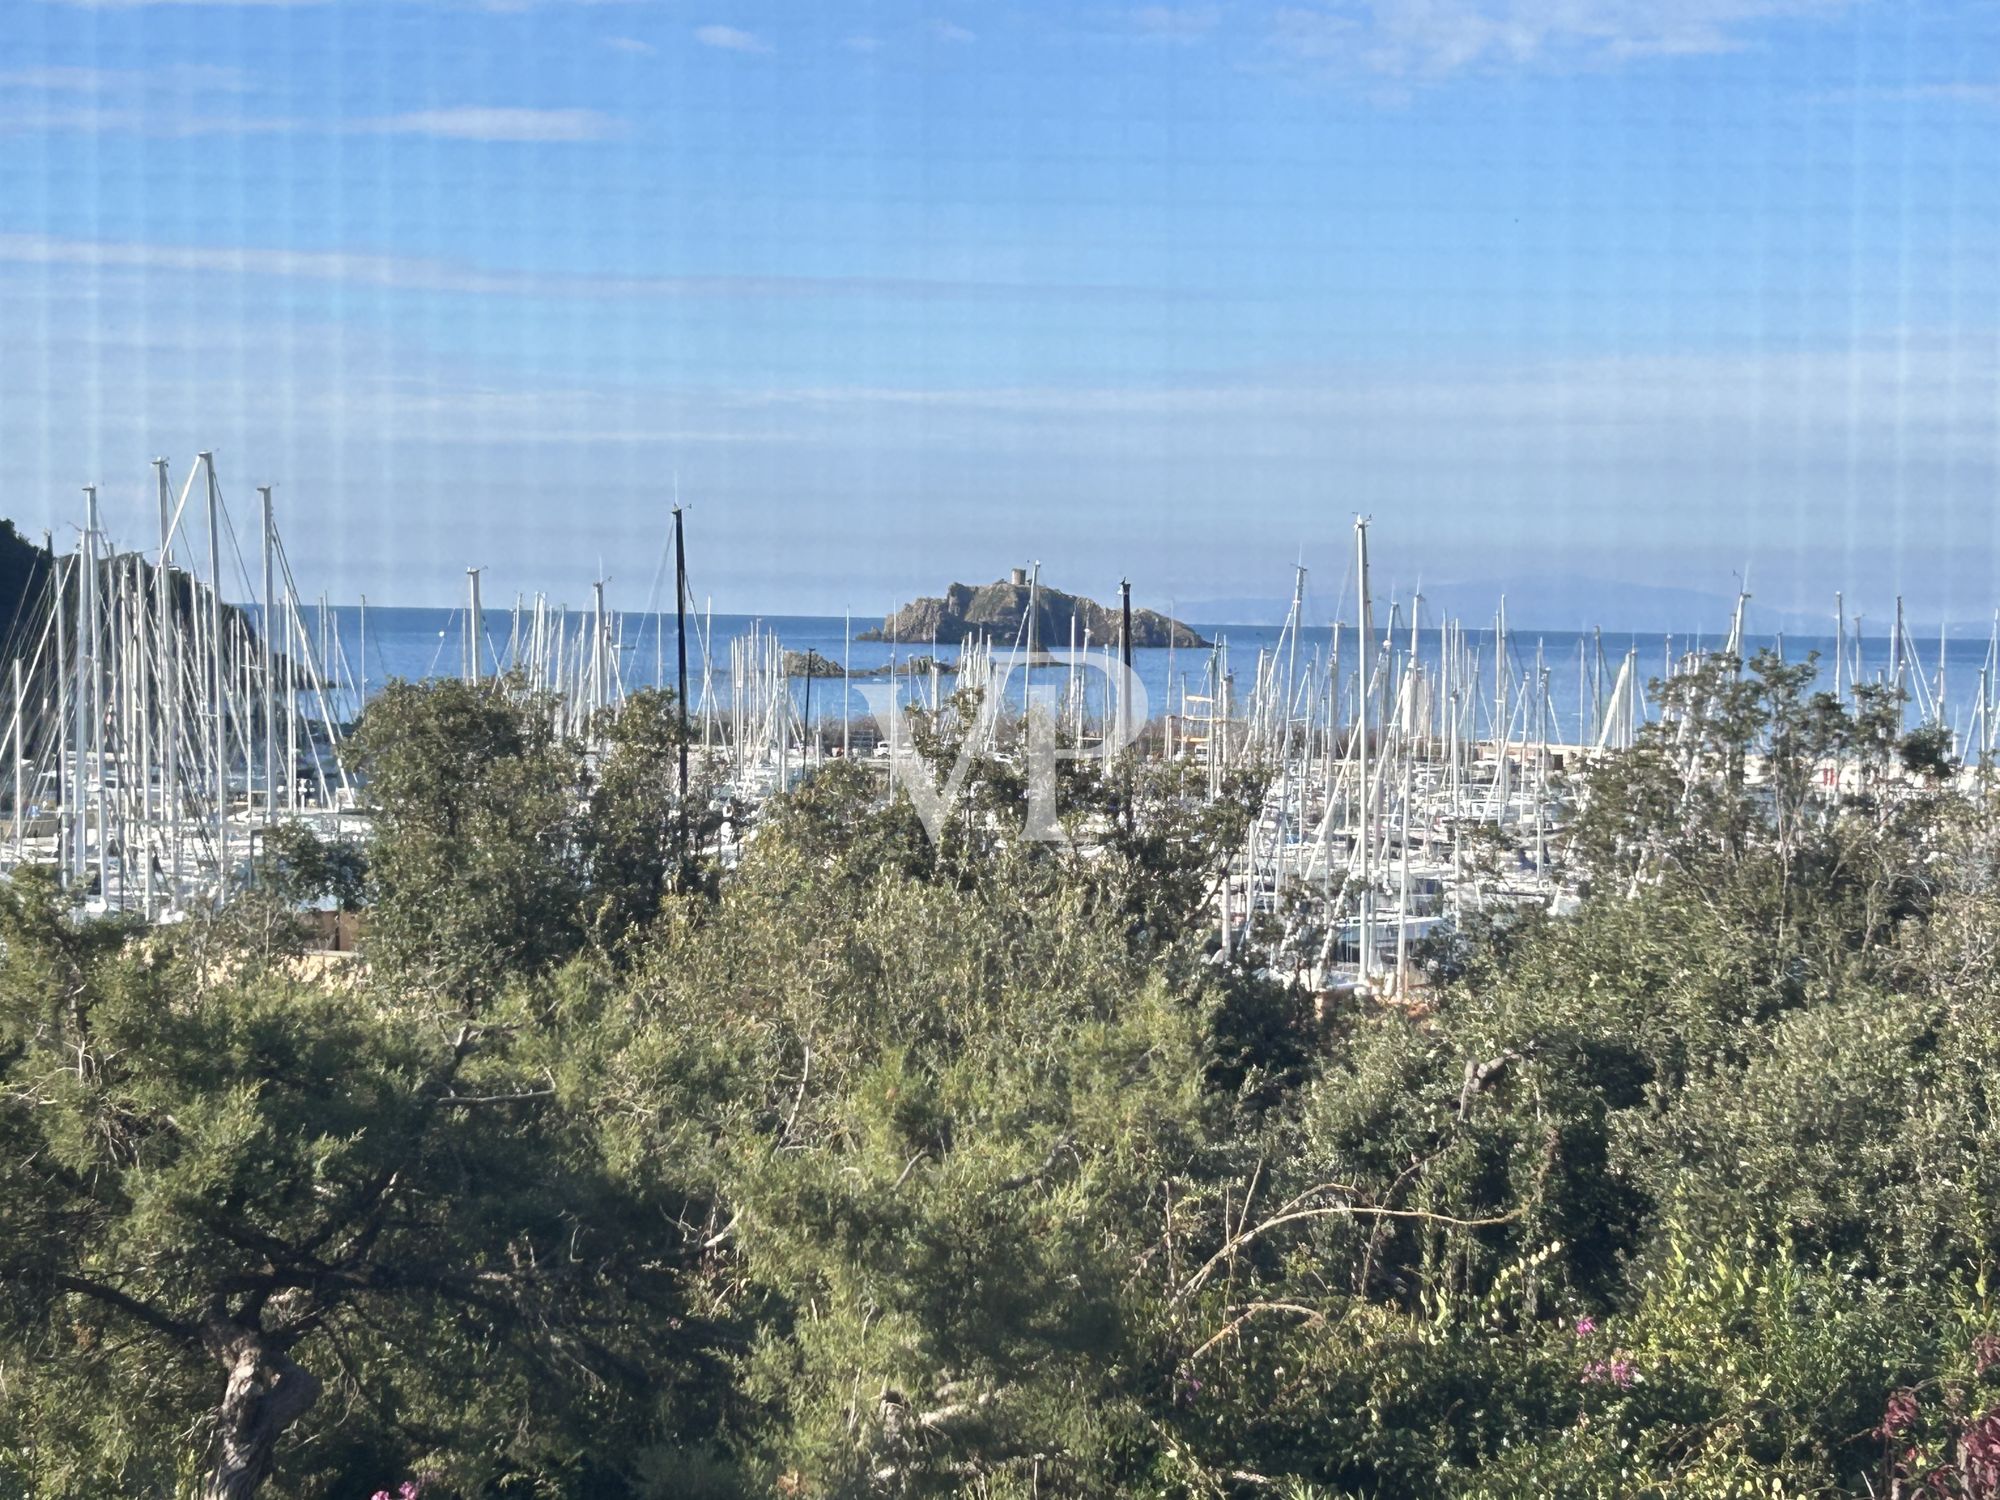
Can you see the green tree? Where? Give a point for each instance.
(268, 1219)
(475, 856)
(638, 840)
(954, 1115)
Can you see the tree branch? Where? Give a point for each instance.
(110, 1296)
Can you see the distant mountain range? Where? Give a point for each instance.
(1571, 602)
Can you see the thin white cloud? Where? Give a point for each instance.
(216, 4)
(1940, 384)
(862, 44)
(495, 124)
(420, 274)
(1937, 93)
(372, 270)
(105, 120)
(166, 103)
(1961, 93)
(58, 80)
(178, 79)
(1414, 41)
(522, 7)
(951, 31)
(1180, 24)
(730, 39)
(630, 44)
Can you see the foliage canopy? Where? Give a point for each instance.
(873, 1166)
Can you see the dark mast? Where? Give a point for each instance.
(1124, 688)
(681, 673)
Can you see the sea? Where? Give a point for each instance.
(415, 643)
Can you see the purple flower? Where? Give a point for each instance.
(1616, 1372)
(1585, 1326)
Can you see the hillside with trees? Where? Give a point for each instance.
(24, 577)
(875, 1166)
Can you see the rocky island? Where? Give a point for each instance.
(995, 611)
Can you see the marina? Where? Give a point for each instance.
(172, 701)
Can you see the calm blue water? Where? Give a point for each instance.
(415, 643)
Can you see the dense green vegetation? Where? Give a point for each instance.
(24, 575)
(878, 1167)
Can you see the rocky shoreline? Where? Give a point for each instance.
(812, 664)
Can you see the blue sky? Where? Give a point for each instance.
(905, 292)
